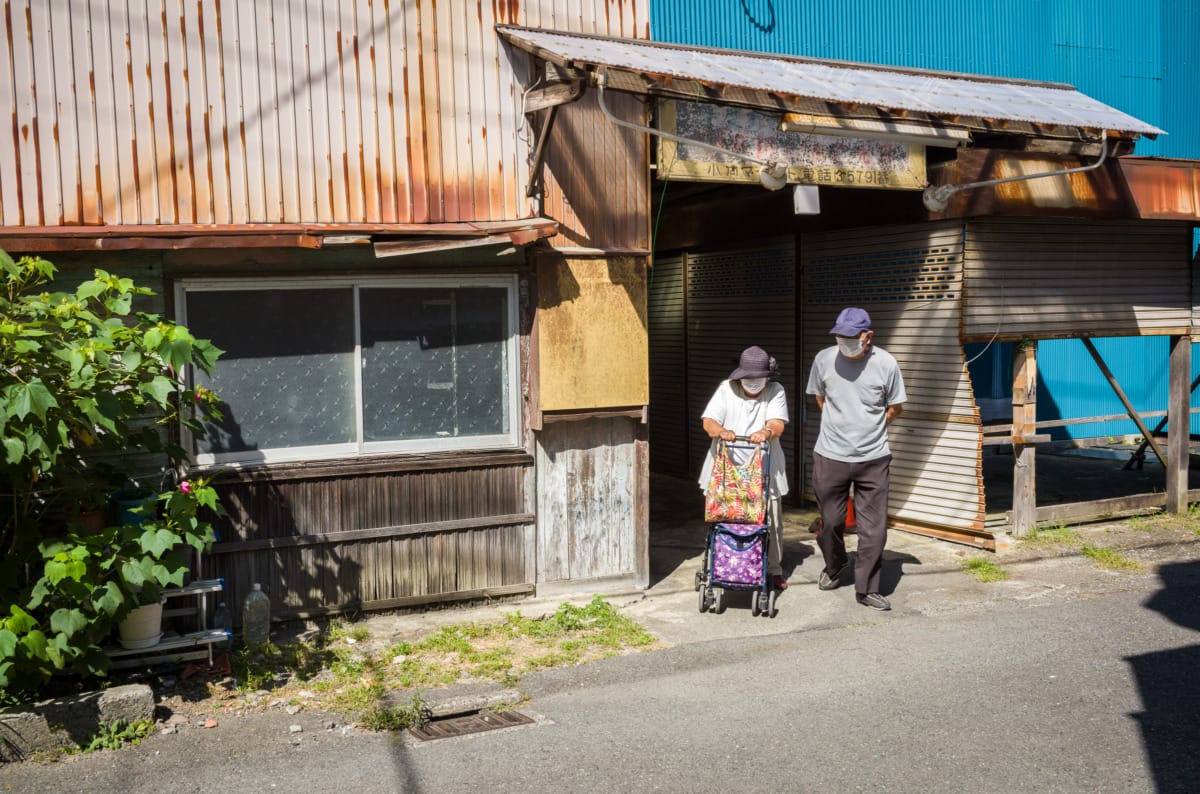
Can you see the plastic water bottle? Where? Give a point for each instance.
(223, 619)
(256, 618)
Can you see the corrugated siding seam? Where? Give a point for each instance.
(244, 112)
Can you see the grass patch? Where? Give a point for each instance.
(345, 672)
(116, 734)
(412, 714)
(1163, 521)
(1048, 536)
(984, 569)
(1111, 559)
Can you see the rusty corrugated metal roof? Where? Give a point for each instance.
(951, 97)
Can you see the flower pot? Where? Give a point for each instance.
(142, 627)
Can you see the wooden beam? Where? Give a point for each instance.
(1024, 413)
(374, 533)
(1179, 424)
(1116, 387)
(1099, 508)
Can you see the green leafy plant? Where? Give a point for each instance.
(984, 569)
(84, 377)
(116, 734)
(413, 714)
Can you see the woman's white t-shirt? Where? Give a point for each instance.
(730, 408)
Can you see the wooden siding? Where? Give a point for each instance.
(1054, 279)
(597, 176)
(334, 537)
(236, 112)
(589, 504)
(910, 281)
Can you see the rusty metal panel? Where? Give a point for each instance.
(592, 310)
(363, 111)
(1165, 189)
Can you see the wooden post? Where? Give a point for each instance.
(1179, 420)
(1024, 402)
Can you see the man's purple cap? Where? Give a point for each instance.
(851, 322)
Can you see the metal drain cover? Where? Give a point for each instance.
(470, 723)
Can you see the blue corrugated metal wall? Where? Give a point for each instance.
(1136, 55)
(1140, 56)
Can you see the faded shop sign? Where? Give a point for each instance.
(811, 159)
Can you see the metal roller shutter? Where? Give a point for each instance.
(910, 280)
(738, 297)
(668, 368)
(1053, 279)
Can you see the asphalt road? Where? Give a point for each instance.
(1083, 692)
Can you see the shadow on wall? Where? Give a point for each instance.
(1166, 680)
(263, 541)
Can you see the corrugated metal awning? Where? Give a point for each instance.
(832, 88)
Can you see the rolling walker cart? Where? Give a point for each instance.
(736, 555)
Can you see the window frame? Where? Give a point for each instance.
(359, 447)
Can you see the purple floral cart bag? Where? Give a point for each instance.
(738, 553)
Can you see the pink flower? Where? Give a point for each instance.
(185, 487)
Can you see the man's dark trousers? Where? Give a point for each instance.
(831, 484)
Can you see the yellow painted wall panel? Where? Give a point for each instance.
(593, 349)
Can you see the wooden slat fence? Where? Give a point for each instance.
(325, 539)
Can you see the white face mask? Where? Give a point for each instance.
(753, 385)
(850, 347)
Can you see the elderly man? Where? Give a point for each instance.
(859, 389)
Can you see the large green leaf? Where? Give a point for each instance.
(179, 352)
(131, 359)
(67, 621)
(170, 575)
(109, 599)
(32, 397)
(20, 621)
(14, 450)
(57, 570)
(152, 339)
(35, 642)
(160, 389)
(90, 289)
(8, 644)
(158, 541)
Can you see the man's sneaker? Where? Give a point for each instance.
(827, 582)
(874, 601)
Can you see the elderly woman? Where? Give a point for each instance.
(752, 404)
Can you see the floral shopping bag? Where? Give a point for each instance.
(735, 494)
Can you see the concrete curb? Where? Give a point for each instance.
(63, 723)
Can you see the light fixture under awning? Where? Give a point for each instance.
(911, 97)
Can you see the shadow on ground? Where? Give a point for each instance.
(1170, 700)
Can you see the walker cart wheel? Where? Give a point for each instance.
(754, 610)
(703, 600)
(762, 601)
(719, 604)
(771, 610)
(699, 579)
